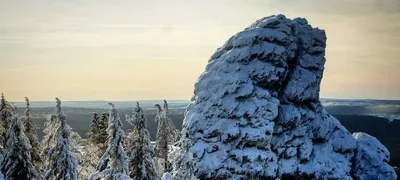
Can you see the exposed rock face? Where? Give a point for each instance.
(256, 112)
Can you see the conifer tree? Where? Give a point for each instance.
(76, 143)
(141, 165)
(17, 159)
(103, 125)
(97, 144)
(29, 129)
(62, 162)
(114, 162)
(183, 163)
(166, 176)
(93, 127)
(98, 129)
(50, 132)
(1, 155)
(6, 113)
(166, 136)
(49, 140)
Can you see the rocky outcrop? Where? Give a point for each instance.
(371, 158)
(256, 114)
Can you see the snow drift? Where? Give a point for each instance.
(256, 113)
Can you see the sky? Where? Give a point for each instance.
(156, 49)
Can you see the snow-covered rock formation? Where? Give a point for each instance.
(256, 112)
(369, 157)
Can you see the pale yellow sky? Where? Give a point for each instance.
(155, 49)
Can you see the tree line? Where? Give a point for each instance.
(110, 153)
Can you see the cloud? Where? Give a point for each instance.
(334, 7)
(388, 6)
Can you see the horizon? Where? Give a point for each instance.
(179, 104)
(172, 100)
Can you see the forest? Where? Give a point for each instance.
(110, 152)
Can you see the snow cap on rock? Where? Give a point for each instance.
(256, 113)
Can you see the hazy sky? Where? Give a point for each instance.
(146, 49)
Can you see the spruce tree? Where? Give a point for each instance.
(29, 129)
(76, 143)
(97, 144)
(183, 166)
(1, 155)
(166, 136)
(49, 141)
(93, 127)
(17, 159)
(98, 129)
(166, 176)
(114, 162)
(6, 113)
(141, 165)
(50, 132)
(62, 161)
(103, 125)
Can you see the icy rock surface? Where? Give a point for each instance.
(256, 113)
(368, 160)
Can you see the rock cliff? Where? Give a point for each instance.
(256, 113)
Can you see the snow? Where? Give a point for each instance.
(140, 152)
(166, 136)
(166, 176)
(371, 158)
(29, 128)
(62, 162)
(256, 112)
(17, 159)
(114, 162)
(183, 166)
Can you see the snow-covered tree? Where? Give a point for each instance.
(141, 164)
(166, 176)
(6, 113)
(183, 163)
(76, 143)
(29, 128)
(62, 161)
(98, 129)
(50, 132)
(166, 136)
(1, 155)
(103, 125)
(96, 145)
(17, 159)
(114, 162)
(93, 128)
(49, 141)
